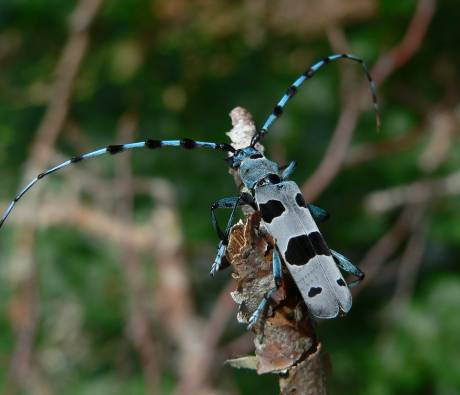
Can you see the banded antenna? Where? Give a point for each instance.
(309, 73)
(112, 150)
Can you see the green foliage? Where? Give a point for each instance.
(180, 67)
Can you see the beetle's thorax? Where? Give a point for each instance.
(255, 169)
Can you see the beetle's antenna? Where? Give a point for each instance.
(115, 149)
(309, 73)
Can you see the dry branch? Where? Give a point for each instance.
(285, 342)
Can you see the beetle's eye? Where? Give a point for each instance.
(256, 156)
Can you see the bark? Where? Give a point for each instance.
(285, 340)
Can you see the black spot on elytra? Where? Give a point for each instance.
(278, 111)
(314, 291)
(274, 178)
(188, 143)
(300, 200)
(299, 250)
(318, 243)
(152, 144)
(115, 149)
(256, 156)
(271, 210)
(341, 282)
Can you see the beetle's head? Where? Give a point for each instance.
(253, 167)
(243, 154)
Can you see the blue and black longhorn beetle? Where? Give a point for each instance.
(285, 214)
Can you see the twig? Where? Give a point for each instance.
(285, 342)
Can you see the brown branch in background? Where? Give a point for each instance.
(387, 64)
(367, 152)
(415, 199)
(241, 345)
(388, 244)
(172, 291)
(421, 191)
(308, 18)
(200, 364)
(444, 126)
(65, 74)
(401, 53)
(26, 298)
(9, 43)
(59, 211)
(441, 124)
(336, 151)
(138, 327)
(221, 313)
(408, 267)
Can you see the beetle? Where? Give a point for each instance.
(291, 221)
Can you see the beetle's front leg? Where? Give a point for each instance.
(229, 202)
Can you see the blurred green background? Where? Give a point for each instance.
(104, 286)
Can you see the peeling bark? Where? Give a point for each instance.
(285, 342)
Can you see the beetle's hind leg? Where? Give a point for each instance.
(319, 214)
(277, 275)
(346, 265)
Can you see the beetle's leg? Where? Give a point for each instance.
(288, 170)
(226, 202)
(229, 202)
(346, 265)
(277, 275)
(318, 213)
